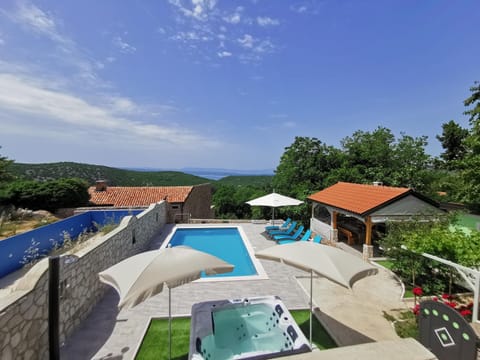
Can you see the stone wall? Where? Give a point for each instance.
(199, 202)
(24, 307)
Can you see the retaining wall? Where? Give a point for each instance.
(18, 250)
(24, 309)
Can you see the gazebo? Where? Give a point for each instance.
(356, 211)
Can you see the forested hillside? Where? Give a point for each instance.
(241, 180)
(114, 176)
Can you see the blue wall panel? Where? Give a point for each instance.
(17, 250)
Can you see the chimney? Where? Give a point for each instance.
(377, 183)
(100, 185)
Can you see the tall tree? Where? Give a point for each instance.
(5, 175)
(304, 166)
(453, 142)
(369, 155)
(470, 175)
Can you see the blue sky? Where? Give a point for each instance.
(226, 84)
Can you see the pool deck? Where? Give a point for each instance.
(353, 317)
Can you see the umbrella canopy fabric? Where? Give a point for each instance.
(144, 275)
(274, 200)
(327, 261)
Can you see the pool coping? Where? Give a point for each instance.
(261, 273)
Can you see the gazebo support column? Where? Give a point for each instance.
(368, 247)
(334, 234)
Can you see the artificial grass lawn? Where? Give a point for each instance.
(468, 220)
(155, 342)
(385, 263)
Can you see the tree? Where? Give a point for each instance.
(370, 154)
(410, 165)
(304, 166)
(378, 156)
(453, 142)
(4, 173)
(49, 195)
(470, 193)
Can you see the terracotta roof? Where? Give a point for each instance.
(123, 196)
(358, 198)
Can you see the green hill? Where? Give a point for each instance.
(114, 176)
(252, 180)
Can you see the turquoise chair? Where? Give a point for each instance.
(287, 232)
(305, 237)
(283, 226)
(295, 236)
(317, 239)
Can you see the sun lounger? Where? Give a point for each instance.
(289, 231)
(305, 237)
(281, 227)
(295, 236)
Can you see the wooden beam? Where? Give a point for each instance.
(334, 219)
(368, 230)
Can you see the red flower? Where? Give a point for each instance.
(446, 296)
(416, 309)
(452, 304)
(465, 312)
(470, 305)
(418, 291)
(435, 298)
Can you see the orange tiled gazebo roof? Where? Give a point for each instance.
(358, 198)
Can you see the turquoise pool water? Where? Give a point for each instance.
(225, 243)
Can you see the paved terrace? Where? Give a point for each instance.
(353, 317)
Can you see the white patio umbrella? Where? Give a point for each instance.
(327, 261)
(143, 275)
(274, 200)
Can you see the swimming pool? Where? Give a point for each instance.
(227, 243)
(250, 328)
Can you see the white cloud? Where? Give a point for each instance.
(247, 41)
(299, 8)
(30, 100)
(124, 47)
(233, 18)
(267, 21)
(37, 20)
(199, 9)
(289, 124)
(223, 54)
(66, 52)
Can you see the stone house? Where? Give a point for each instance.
(184, 202)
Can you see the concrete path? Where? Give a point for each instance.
(352, 317)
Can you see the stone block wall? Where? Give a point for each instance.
(24, 309)
(199, 202)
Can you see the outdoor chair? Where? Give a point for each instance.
(295, 236)
(288, 232)
(284, 226)
(305, 237)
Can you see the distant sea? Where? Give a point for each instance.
(213, 174)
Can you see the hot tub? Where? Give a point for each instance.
(250, 328)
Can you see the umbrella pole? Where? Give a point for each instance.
(169, 325)
(311, 305)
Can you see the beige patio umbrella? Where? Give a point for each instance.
(274, 200)
(327, 261)
(143, 275)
